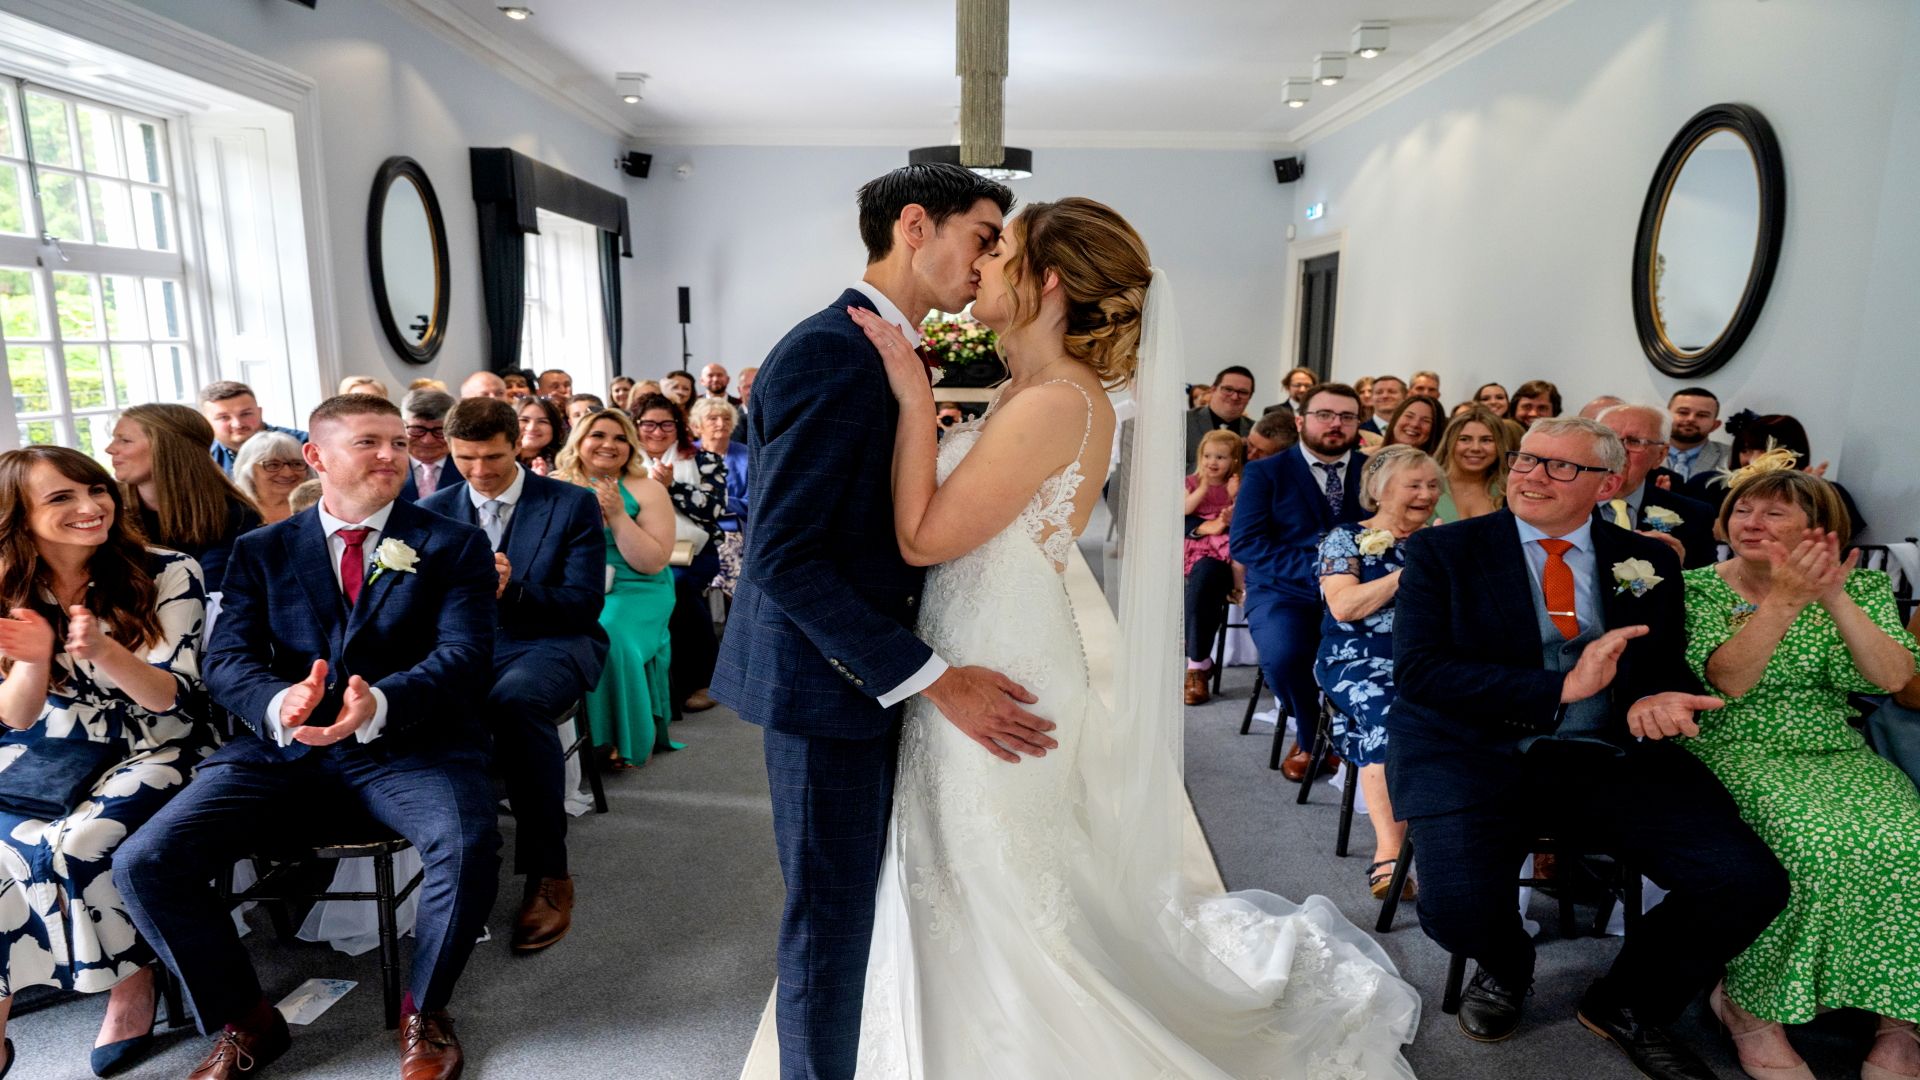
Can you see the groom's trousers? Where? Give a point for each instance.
(831, 802)
(1659, 808)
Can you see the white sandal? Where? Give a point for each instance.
(1717, 1001)
(1870, 1071)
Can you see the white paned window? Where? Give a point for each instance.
(565, 325)
(93, 285)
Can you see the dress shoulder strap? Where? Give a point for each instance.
(1087, 433)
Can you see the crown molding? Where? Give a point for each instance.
(463, 30)
(903, 138)
(1478, 34)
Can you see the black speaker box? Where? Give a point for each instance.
(1287, 169)
(686, 305)
(636, 164)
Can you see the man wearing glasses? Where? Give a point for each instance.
(1542, 677)
(1287, 502)
(1226, 411)
(1683, 524)
(425, 412)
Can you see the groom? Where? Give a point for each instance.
(820, 649)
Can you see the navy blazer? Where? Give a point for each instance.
(1695, 531)
(425, 638)
(1279, 519)
(556, 546)
(1468, 668)
(821, 620)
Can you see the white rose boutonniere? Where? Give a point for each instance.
(1635, 576)
(393, 555)
(1375, 542)
(1663, 519)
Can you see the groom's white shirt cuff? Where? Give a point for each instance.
(928, 674)
(368, 732)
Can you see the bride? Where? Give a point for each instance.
(1032, 920)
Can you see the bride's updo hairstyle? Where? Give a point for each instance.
(1103, 269)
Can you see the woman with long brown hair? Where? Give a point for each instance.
(183, 500)
(1416, 423)
(1473, 458)
(100, 657)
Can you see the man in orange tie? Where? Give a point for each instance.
(1540, 657)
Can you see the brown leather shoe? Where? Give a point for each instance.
(243, 1053)
(428, 1048)
(699, 701)
(1294, 765)
(545, 915)
(1197, 693)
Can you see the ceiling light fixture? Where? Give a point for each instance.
(517, 14)
(1370, 39)
(1329, 68)
(1015, 163)
(632, 85)
(1297, 92)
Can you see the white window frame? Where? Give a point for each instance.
(564, 324)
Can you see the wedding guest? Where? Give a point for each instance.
(1785, 630)
(1277, 429)
(1592, 409)
(1198, 396)
(1417, 423)
(1425, 384)
(1695, 415)
(556, 386)
(518, 385)
(1462, 407)
(1494, 397)
(1497, 730)
(1364, 387)
(1388, 392)
(1286, 504)
(1225, 410)
(1297, 383)
(268, 471)
(484, 384)
(641, 391)
(425, 383)
(548, 645)
(425, 412)
(678, 385)
(1209, 570)
(183, 500)
(366, 702)
(1753, 437)
(1359, 575)
(100, 652)
(714, 381)
(631, 707)
(1537, 399)
(304, 497)
(582, 406)
(235, 415)
(949, 415)
(618, 389)
(543, 431)
(697, 482)
(1472, 455)
(363, 384)
(745, 383)
(714, 420)
(1681, 523)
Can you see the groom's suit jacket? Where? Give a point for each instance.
(425, 638)
(1468, 665)
(821, 620)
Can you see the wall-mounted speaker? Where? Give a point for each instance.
(686, 305)
(1289, 169)
(636, 164)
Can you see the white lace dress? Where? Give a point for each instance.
(1010, 941)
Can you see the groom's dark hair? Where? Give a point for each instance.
(942, 190)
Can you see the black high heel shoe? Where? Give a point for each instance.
(8, 1067)
(116, 1056)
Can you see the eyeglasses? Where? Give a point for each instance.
(1328, 416)
(1523, 463)
(421, 431)
(274, 468)
(1634, 445)
(653, 426)
(1232, 392)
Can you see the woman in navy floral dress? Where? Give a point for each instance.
(1359, 575)
(102, 646)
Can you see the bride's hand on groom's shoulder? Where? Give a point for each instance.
(985, 706)
(905, 370)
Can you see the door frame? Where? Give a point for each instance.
(1298, 252)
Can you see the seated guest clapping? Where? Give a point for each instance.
(714, 419)
(697, 482)
(631, 707)
(1542, 674)
(1359, 575)
(1473, 457)
(1683, 524)
(543, 431)
(356, 642)
(100, 662)
(267, 471)
(548, 648)
(183, 500)
(1209, 572)
(1785, 630)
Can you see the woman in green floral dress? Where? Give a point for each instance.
(1784, 631)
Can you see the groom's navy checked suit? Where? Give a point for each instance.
(819, 632)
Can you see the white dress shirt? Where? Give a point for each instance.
(890, 311)
(337, 547)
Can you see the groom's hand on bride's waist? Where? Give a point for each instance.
(985, 706)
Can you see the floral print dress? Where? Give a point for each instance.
(1843, 820)
(1355, 664)
(62, 921)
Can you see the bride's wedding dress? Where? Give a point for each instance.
(1030, 919)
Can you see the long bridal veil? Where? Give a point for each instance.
(1249, 980)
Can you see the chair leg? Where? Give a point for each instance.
(1346, 809)
(1456, 980)
(1279, 742)
(1322, 747)
(1391, 902)
(389, 938)
(590, 765)
(276, 909)
(175, 1014)
(1563, 870)
(1219, 651)
(1253, 702)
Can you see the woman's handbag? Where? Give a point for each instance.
(52, 776)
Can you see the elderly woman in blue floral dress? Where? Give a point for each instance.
(1359, 575)
(98, 644)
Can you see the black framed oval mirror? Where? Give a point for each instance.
(407, 259)
(1709, 240)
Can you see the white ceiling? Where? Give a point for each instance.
(867, 72)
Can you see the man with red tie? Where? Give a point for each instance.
(1540, 658)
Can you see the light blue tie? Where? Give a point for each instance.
(490, 521)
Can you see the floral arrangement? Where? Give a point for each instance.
(957, 342)
(1634, 576)
(1663, 519)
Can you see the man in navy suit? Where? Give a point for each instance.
(548, 649)
(1538, 690)
(428, 470)
(819, 649)
(1683, 524)
(355, 641)
(1286, 505)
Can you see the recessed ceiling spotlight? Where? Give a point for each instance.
(632, 85)
(1370, 39)
(517, 14)
(1297, 92)
(1329, 68)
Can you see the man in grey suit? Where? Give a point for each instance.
(1232, 393)
(1695, 412)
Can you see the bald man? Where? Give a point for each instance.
(484, 384)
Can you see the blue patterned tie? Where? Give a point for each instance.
(1335, 493)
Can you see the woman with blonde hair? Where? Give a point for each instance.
(267, 470)
(1473, 457)
(363, 384)
(1210, 572)
(183, 500)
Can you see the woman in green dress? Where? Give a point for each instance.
(630, 708)
(1473, 457)
(1784, 631)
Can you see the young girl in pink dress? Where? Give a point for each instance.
(1212, 577)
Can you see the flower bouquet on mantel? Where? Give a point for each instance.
(967, 352)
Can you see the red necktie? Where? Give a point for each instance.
(353, 563)
(1556, 586)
